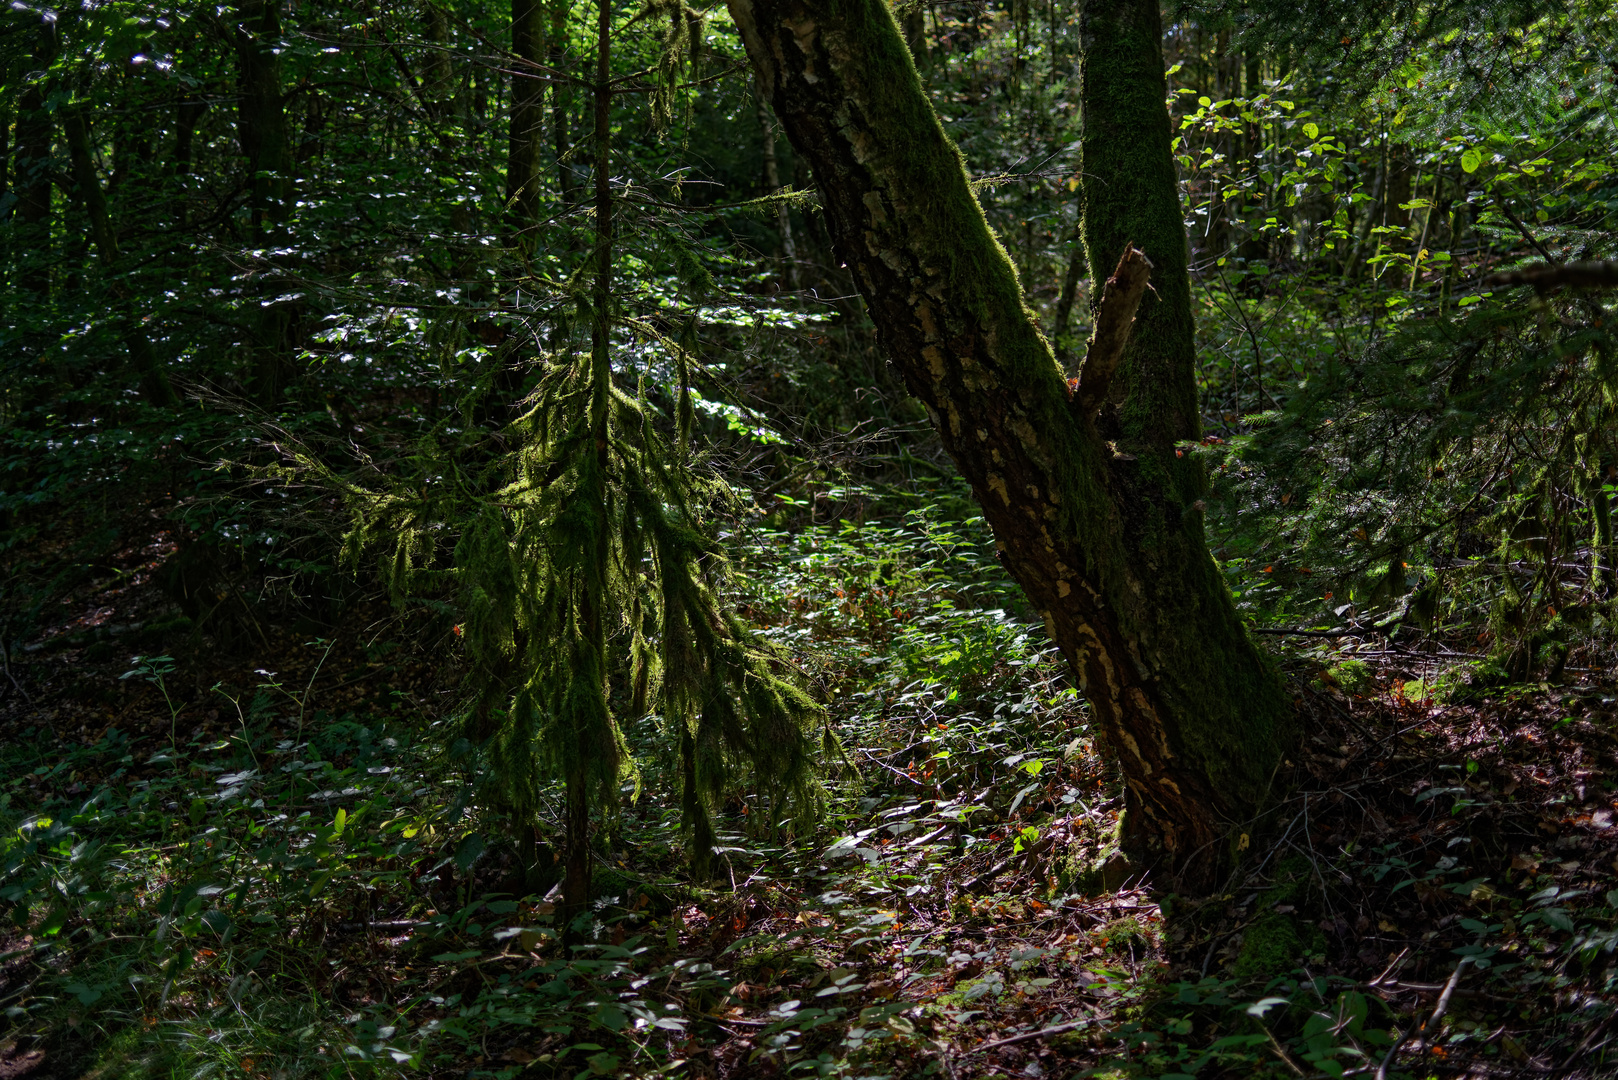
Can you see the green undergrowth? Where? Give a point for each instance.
(288, 891)
(319, 891)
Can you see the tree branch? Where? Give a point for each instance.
(1115, 316)
(1591, 275)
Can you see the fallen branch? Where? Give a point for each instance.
(1115, 317)
(1042, 1033)
(1588, 275)
(1344, 632)
(1425, 1029)
(1039, 848)
(5, 659)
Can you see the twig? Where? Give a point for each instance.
(934, 835)
(1042, 1033)
(1389, 970)
(896, 772)
(1568, 1063)
(1280, 1051)
(1505, 208)
(1343, 632)
(1432, 1022)
(1000, 867)
(5, 659)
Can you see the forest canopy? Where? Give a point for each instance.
(850, 539)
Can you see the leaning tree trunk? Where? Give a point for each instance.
(1096, 513)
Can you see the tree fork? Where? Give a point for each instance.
(1100, 522)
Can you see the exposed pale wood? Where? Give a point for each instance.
(1115, 317)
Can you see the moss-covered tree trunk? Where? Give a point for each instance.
(587, 711)
(1099, 520)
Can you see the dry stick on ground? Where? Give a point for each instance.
(1114, 318)
(1592, 275)
(5, 657)
(1438, 1014)
(1003, 865)
(1042, 1033)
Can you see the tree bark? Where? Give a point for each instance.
(527, 121)
(592, 569)
(154, 380)
(1101, 523)
(33, 177)
(565, 182)
(262, 132)
(772, 186)
(261, 124)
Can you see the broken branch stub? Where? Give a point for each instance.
(1115, 316)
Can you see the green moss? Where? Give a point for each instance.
(127, 1054)
(1275, 942)
(1270, 946)
(772, 962)
(1353, 676)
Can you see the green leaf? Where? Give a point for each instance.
(1312, 130)
(1471, 159)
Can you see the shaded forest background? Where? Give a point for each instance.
(298, 302)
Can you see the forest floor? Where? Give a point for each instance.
(261, 861)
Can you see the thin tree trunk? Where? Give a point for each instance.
(1601, 550)
(772, 185)
(438, 77)
(187, 114)
(262, 133)
(33, 179)
(262, 125)
(1101, 523)
(154, 380)
(592, 586)
(1077, 270)
(527, 122)
(1356, 256)
(560, 103)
